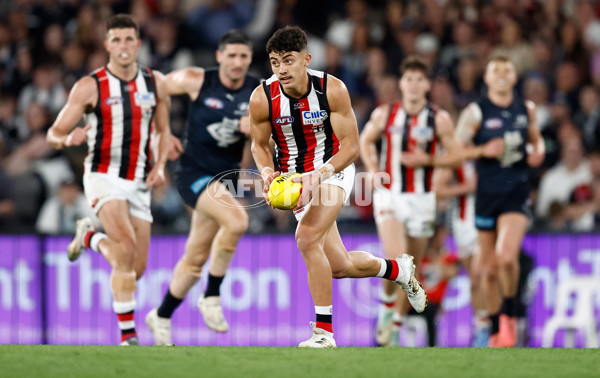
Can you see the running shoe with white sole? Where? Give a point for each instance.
(384, 326)
(211, 310)
(76, 245)
(160, 328)
(417, 296)
(320, 339)
(133, 340)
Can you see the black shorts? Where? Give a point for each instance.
(490, 205)
(192, 180)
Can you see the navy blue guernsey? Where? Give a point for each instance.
(212, 140)
(509, 171)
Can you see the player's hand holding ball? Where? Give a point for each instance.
(284, 192)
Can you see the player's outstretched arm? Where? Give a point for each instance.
(83, 95)
(156, 176)
(536, 149)
(445, 188)
(186, 81)
(368, 139)
(260, 133)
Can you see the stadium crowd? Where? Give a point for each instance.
(46, 45)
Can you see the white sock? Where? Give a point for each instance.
(382, 268)
(96, 239)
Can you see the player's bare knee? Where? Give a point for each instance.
(306, 238)
(192, 265)
(238, 224)
(340, 271)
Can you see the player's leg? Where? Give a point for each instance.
(315, 220)
(511, 231)
(488, 266)
(392, 235)
(220, 205)
(186, 273)
(418, 212)
(120, 248)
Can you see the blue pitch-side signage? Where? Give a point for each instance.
(265, 294)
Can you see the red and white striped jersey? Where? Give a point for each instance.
(465, 204)
(119, 140)
(301, 127)
(404, 132)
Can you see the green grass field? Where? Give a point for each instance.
(107, 361)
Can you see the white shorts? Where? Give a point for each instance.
(416, 211)
(465, 237)
(344, 179)
(100, 188)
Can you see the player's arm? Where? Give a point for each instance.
(467, 126)
(370, 135)
(156, 176)
(260, 133)
(368, 139)
(84, 94)
(445, 188)
(343, 123)
(536, 149)
(186, 81)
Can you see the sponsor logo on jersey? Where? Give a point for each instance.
(284, 120)
(242, 109)
(114, 100)
(144, 100)
(213, 103)
(493, 123)
(298, 105)
(521, 121)
(422, 134)
(314, 117)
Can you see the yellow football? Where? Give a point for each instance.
(283, 192)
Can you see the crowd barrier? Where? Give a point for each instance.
(45, 299)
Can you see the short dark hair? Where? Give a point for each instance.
(122, 21)
(290, 38)
(414, 63)
(234, 36)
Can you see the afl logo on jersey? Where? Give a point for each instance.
(284, 120)
(493, 123)
(213, 103)
(114, 100)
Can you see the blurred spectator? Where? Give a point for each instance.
(60, 212)
(46, 89)
(162, 52)
(442, 94)
(8, 125)
(74, 67)
(213, 18)
(32, 138)
(535, 88)
(168, 210)
(560, 181)
(588, 116)
(19, 73)
(514, 46)
(7, 203)
(467, 76)
(567, 85)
